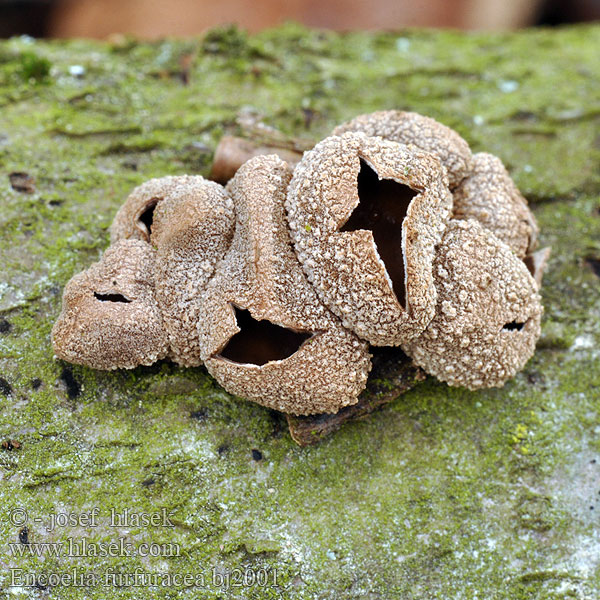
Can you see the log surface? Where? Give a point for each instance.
(442, 493)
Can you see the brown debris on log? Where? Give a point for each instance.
(232, 152)
(393, 373)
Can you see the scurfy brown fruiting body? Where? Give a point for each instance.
(264, 333)
(488, 312)
(381, 286)
(395, 234)
(110, 318)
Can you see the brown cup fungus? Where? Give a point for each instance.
(264, 333)
(489, 195)
(423, 132)
(366, 215)
(110, 318)
(487, 315)
(374, 248)
(185, 224)
(192, 228)
(134, 219)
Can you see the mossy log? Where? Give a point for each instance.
(441, 493)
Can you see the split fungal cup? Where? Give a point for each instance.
(264, 333)
(488, 311)
(190, 221)
(366, 215)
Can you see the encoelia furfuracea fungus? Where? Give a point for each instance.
(389, 232)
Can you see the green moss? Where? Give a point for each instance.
(34, 67)
(488, 493)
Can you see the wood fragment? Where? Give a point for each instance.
(22, 182)
(393, 373)
(232, 152)
(10, 445)
(536, 263)
(253, 127)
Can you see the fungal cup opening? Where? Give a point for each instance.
(383, 204)
(514, 326)
(111, 298)
(530, 264)
(260, 342)
(144, 221)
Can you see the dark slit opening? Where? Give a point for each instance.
(514, 326)
(145, 219)
(111, 297)
(528, 260)
(381, 209)
(260, 342)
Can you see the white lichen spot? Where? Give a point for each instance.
(582, 342)
(508, 85)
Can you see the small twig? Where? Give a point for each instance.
(536, 263)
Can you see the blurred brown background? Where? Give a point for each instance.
(158, 18)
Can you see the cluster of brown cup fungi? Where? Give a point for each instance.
(390, 232)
